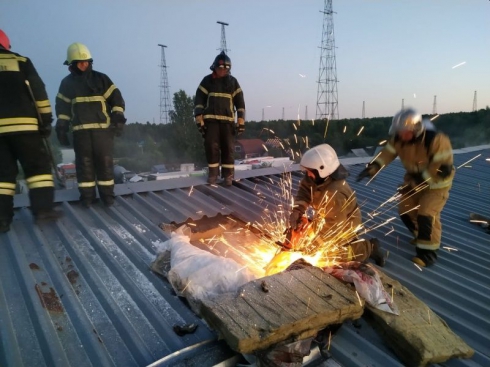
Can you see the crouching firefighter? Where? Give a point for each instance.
(427, 158)
(25, 120)
(325, 188)
(93, 106)
(217, 98)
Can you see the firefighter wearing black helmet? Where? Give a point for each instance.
(427, 157)
(23, 99)
(93, 107)
(218, 99)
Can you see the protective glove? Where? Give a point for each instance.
(369, 171)
(445, 170)
(425, 257)
(45, 125)
(417, 179)
(117, 123)
(241, 126)
(200, 125)
(62, 132)
(295, 219)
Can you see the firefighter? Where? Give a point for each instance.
(217, 98)
(23, 99)
(427, 158)
(325, 188)
(93, 107)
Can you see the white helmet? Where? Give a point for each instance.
(321, 158)
(77, 52)
(407, 120)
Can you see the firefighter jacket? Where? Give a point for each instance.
(18, 112)
(335, 204)
(428, 158)
(87, 99)
(217, 99)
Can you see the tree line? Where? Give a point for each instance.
(143, 145)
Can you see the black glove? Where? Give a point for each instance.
(445, 170)
(200, 125)
(117, 123)
(45, 125)
(295, 219)
(417, 178)
(62, 132)
(428, 257)
(240, 127)
(369, 171)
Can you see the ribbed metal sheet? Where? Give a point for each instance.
(79, 292)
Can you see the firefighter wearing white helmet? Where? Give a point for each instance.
(91, 106)
(427, 158)
(326, 190)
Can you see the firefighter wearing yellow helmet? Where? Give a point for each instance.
(427, 158)
(337, 214)
(25, 119)
(91, 106)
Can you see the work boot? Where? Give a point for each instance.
(212, 180)
(228, 181)
(108, 201)
(4, 226)
(424, 257)
(46, 215)
(378, 255)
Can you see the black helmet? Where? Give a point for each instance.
(221, 60)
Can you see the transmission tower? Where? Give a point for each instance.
(306, 113)
(474, 103)
(223, 37)
(327, 95)
(363, 109)
(165, 105)
(434, 106)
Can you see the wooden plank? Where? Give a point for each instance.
(254, 319)
(418, 336)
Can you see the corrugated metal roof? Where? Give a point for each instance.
(79, 292)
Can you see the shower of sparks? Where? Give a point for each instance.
(450, 248)
(182, 291)
(359, 298)
(192, 224)
(360, 131)
(418, 267)
(458, 65)
(265, 148)
(307, 306)
(329, 340)
(433, 118)
(312, 122)
(382, 142)
(326, 128)
(428, 314)
(190, 191)
(345, 129)
(295, 127)
(465, 163)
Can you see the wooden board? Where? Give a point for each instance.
(417, 336)
(291, 305)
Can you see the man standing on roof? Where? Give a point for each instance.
(325, 188)
(217, 98)
(94, 107)
(23, 99)
(428, 160)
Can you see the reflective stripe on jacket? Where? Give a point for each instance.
(17, 109)
(87, 100)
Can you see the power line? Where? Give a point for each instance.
(327, 94)
(223, 37)
(165, 106)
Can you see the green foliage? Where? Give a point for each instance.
(144, 145)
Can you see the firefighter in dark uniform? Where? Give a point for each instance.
(93, 106)
(217, 98)
(338, 216)
(22, 96)
(427, 157)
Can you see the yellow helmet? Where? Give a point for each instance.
(77, 52)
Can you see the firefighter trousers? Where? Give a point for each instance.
(94, 161)
(30, 151)
(424, 222)
(219, 145)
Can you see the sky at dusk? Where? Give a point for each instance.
(386, 50)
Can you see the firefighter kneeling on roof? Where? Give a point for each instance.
(428, 160)
(326, 178)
